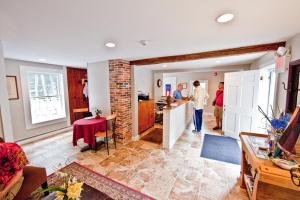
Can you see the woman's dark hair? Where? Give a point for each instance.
(196, 83)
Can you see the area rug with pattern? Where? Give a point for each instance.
(221, 148)
(98, 186)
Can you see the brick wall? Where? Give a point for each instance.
(120, 97)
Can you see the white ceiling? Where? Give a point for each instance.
(221, 62)
(72, 32)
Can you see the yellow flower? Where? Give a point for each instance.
(60, 195)
(74, 191)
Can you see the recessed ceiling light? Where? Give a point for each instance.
(110, 44)
(226, 17)
(164, 66)
(218, 61)
(42, 59)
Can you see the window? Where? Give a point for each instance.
(43, 95)
(46, 96)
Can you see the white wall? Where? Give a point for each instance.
(17, 106)
(98, 85)
(142, 81)
(294, 45)
(264, 61)
(4, 103)
(158, 91)
(1, 127)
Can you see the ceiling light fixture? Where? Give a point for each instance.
(42, 59)
(226, 17)
(144, 42)
(164, 66)
(110, 44)
(217, 61)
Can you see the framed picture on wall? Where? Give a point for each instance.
(184, 85)
(12, 87)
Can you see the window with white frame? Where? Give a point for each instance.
(44, 94)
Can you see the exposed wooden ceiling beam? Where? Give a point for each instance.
(209, 54)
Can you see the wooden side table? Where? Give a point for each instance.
(262, 179)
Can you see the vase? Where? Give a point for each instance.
(274, 137)
(169, 101)
(97, 117)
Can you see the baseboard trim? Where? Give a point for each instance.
(135, 138)
(44, 136)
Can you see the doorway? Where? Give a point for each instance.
(293, 94)
(267, 85)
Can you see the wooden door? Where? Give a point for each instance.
(75, 89)
(240, 102)
(293, 94)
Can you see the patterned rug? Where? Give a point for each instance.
(155, 136)
(98, 183)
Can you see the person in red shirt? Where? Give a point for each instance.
(218, 103)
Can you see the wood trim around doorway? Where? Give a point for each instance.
(290, 97)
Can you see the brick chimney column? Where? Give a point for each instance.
(120, 97)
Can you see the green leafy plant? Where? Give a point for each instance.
(98, 112)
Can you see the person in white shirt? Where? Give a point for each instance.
(199, 99)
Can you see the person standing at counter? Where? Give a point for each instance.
(199, 99)
(218, 103)
(177, 93)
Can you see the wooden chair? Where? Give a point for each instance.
(110, 130)
(85, 112)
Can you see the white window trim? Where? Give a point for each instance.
(26, 99)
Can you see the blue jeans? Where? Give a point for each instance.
(198, 119)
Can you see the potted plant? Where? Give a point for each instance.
(98, 113)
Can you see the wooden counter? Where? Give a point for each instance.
(268, 180)
(146, 115)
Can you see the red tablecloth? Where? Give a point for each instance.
(86, 129)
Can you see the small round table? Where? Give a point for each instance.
(86, 129)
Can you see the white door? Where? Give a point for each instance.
(240, 102)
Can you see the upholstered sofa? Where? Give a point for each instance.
(24, 182)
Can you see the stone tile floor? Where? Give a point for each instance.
(179, 173)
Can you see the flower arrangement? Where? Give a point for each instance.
(98, 112)
(12, 160)
(277, 126)
(70, 189)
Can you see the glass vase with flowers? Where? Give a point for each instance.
(277, 125)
